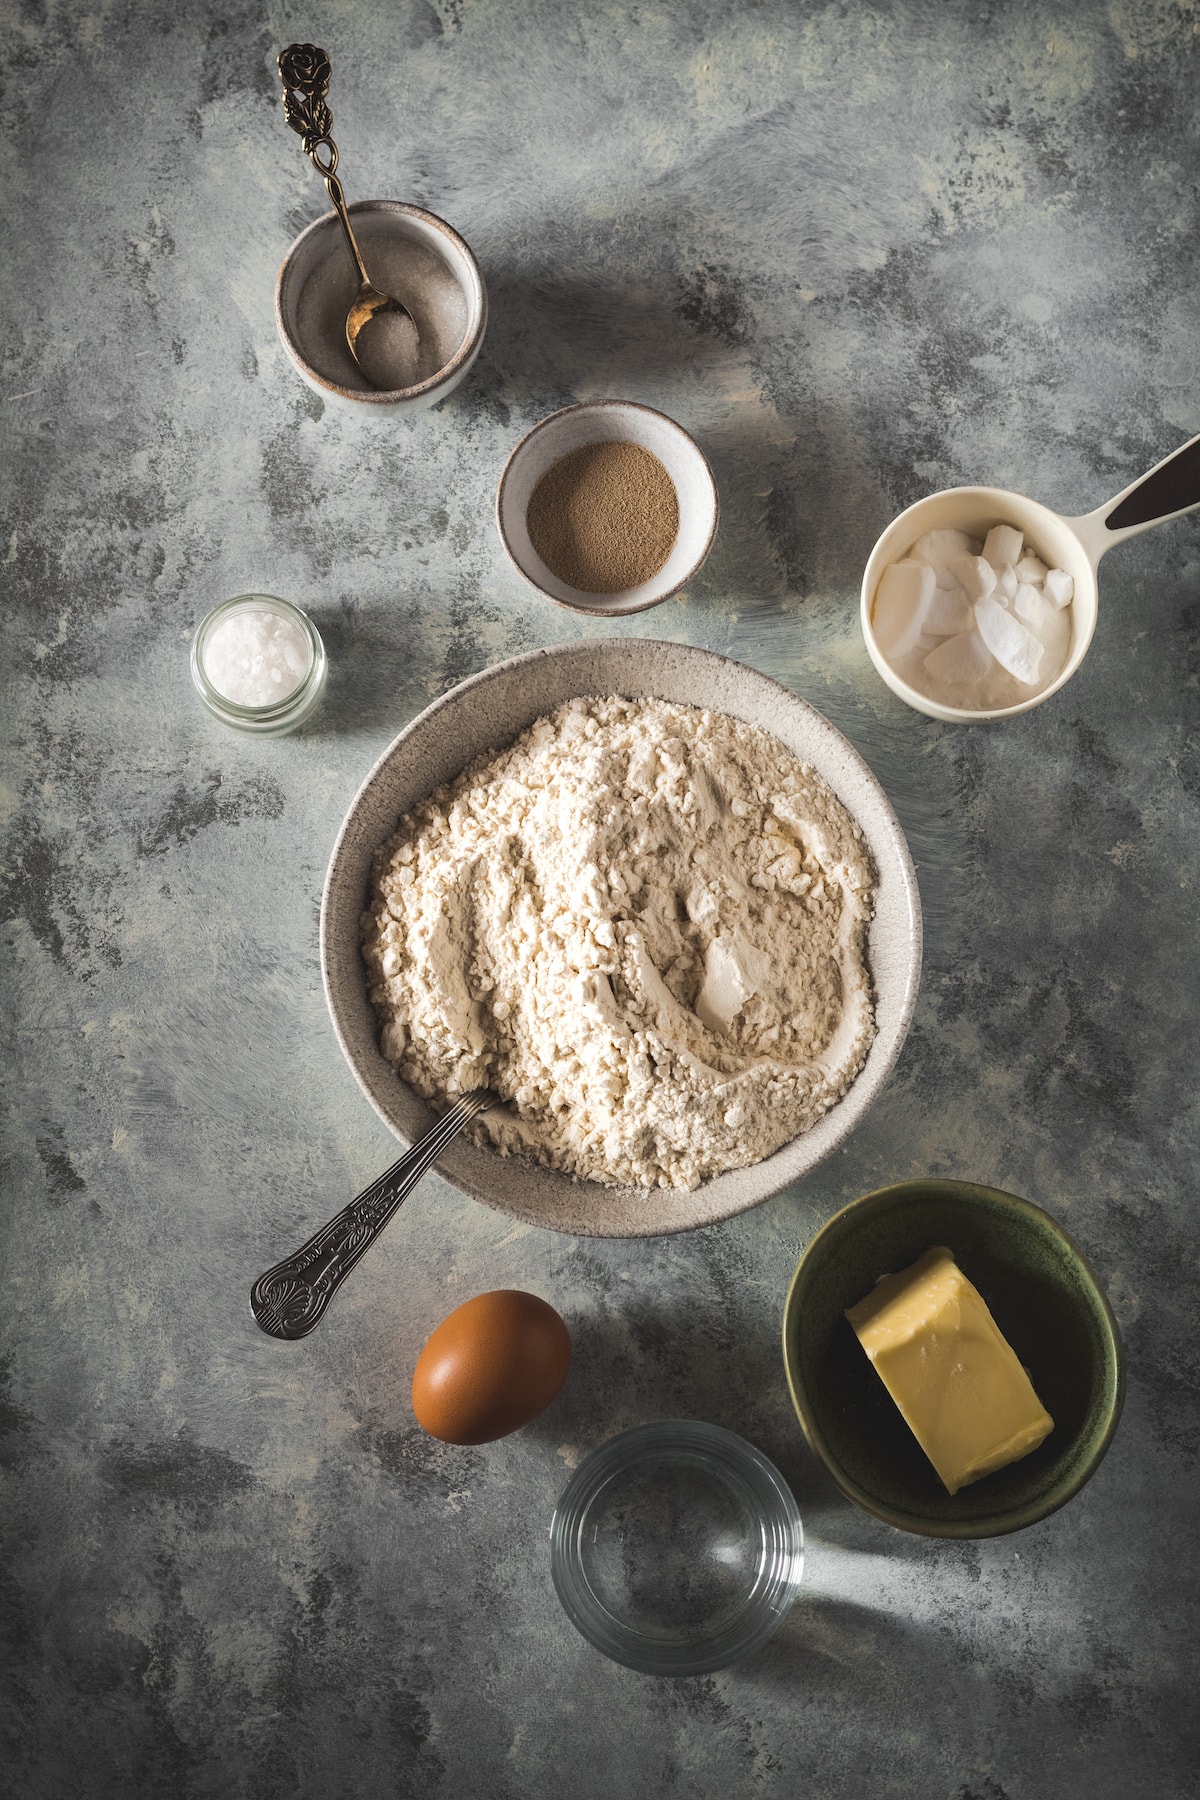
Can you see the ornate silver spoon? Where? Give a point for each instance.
(290, 1300)
(305, 71)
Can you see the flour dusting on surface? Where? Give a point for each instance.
(644, 926)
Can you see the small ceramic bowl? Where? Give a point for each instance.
(676, 1548)
(609, 421)
(409, 253)
(1044, 1298)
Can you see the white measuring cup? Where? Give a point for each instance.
(1167, 491)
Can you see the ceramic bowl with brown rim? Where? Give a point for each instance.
(408, 252)
(603, 422)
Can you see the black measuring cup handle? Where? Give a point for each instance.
(1169, 489)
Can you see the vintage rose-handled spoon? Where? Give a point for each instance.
(290, 1300)
(305, 71)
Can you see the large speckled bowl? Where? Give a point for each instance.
(1041, 1293)
(487, 712)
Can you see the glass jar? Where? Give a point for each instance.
(210, 662)
(676, 1548)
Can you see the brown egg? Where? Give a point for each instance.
(492, 1365)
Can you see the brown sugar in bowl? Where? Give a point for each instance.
(607, 428)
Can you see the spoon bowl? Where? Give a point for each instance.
(394, 342)
(1170, 489)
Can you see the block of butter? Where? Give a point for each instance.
(956, 1379)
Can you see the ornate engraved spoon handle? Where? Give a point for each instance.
(305, 73)
(290, 1300)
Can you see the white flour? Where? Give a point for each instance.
(644, 926)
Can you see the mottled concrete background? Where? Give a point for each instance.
(863, 251)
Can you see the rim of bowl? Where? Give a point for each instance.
(550, 422)
(991, 1524)
(863, 1091)
(766, 1605)
(385, 396)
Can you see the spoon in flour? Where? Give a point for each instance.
(387, 351)
(290, 1300)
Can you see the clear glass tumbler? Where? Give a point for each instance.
(676, 1548)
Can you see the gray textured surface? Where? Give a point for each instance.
(861, 252)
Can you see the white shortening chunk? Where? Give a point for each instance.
(961, 661)
(1003, 544)
(974, 575)
(1006, 584)
(1058, 588)
(904, 592)
(1051, 627)
(1012, 644)
(1032, 606)
(948, 612)
(1031, 568)
(939, 548)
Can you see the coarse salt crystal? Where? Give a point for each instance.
(256, 658)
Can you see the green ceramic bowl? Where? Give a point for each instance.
(1044, 1298)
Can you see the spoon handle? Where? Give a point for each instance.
(334, 188)
(305, 72)
(290, 1300)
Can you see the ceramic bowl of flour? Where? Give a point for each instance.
(489, 711)
(410, 253)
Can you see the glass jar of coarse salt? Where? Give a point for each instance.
(259, 664)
